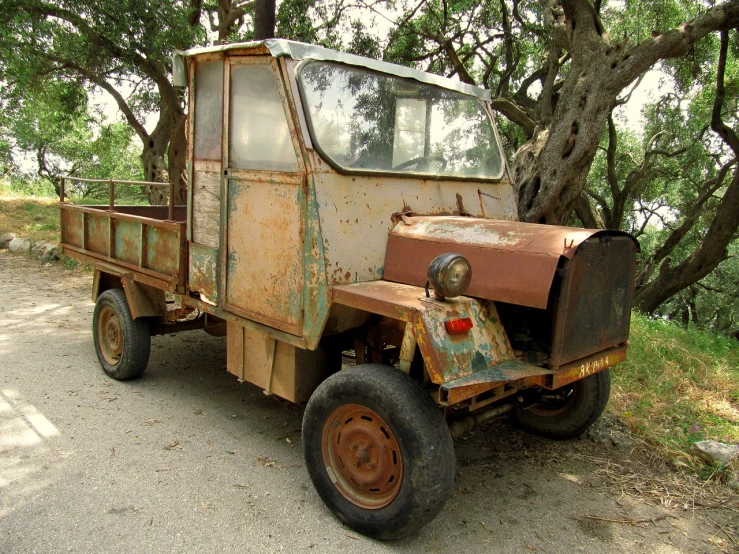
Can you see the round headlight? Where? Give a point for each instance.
(449, 275)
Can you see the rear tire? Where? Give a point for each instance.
(582, 404)
(122, 344)
(378, 451)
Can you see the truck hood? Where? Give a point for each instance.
(511, 261)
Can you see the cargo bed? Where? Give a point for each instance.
(138, 240)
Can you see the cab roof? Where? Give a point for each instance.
(301, 51)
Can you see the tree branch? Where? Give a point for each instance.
(110, 89)
(726, 133)
(514, 113)
(673, 43)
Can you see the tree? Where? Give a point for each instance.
(118, 47)
(713, 249)
(65, 138)
(501, 45)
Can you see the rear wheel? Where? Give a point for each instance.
(378, 451)
(567, 412)
(122, 343)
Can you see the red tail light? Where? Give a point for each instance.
(458, 326)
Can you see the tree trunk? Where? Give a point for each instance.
(162, 164)
(550, 170)
(264, 19)
(178, 159)
(714, 247)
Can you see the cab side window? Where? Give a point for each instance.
(259, 135)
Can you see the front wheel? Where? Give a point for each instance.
(378, 451)
(122, 343)
(567, 412)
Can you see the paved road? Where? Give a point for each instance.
(188, 459)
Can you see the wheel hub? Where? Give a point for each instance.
(362, 456)
(111, 336)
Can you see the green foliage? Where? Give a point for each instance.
(51, 122)
(320, 22)
(685, 158)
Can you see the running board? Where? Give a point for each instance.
(511, 372)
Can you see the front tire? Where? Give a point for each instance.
(579, 406)
(378, 451)
(122, 344)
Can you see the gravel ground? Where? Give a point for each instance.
(187, 459)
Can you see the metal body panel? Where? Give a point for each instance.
(206, 205)
(316, 292)
(277, 367)
(264, 276)
(144, 300)
(579, 369)
(97, 234)
(357, 212)
(150, 249)
(261, 227)
(505, 372)
(447, 357)
(455, 356)
(594, 300)
(511, 261)
(203, 271)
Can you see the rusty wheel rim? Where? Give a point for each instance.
(110, 335)
(362, 456)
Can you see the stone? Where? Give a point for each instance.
(715, 452)
(5, 239)
(45, 250)
(609, 431)
(19, 244)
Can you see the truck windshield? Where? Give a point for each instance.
(366, 121)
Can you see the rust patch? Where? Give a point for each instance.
(264, 252)
(162, 250)
(98, 234)
(202, 271)
(579, 369)
(447, 357)
(511, 261)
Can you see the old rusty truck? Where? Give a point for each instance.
(342, 208)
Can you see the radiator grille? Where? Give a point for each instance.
(595, 300)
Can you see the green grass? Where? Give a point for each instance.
(678, 386)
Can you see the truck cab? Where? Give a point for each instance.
(351, 226)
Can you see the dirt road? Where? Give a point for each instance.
(188, 459)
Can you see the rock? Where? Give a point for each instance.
(45, 250)
(5, 239)
(19, 244)
(715, 452)
(609, 431)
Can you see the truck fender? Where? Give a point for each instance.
(143, 300)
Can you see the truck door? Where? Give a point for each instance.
(263, 176)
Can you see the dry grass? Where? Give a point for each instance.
(31, 217)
